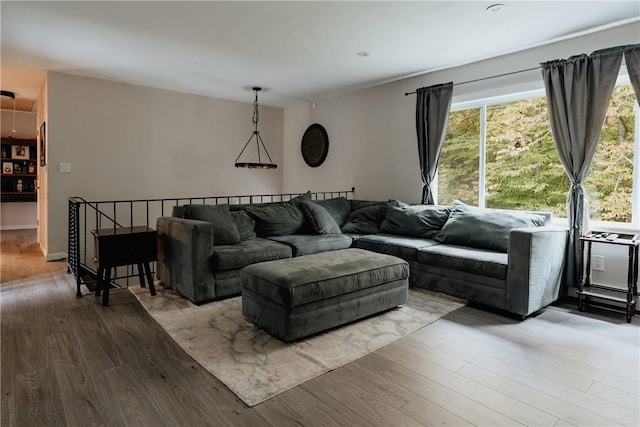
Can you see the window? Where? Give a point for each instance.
(500, 153)
(610, 181)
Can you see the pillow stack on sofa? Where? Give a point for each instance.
(403, 227)
(484, 228)
(306, 226)
(394, 227)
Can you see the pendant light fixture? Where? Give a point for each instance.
(11, 95)
(258, 141)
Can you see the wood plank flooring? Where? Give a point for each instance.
(72, 362)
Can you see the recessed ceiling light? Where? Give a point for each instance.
(363, 53)
(495, 7)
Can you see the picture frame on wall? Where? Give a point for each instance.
(20, 152)
(43, 144)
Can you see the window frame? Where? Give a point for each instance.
(483, 103)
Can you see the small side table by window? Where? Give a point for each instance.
(116, 247)
(588, 291)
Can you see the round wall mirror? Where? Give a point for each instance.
(315, 145)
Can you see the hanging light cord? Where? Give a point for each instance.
(256, 115)
(14, 116)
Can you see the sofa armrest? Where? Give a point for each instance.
(536, 267)
(184, 248)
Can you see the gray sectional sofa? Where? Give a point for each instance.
(509, 260)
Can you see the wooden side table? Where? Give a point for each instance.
(588, 291)
(116, 247)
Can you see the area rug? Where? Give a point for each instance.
(257, 366)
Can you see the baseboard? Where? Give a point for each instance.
(18, 227)
(58, 256)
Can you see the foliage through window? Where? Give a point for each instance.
(502, 155)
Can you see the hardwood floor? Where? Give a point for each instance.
(72, 362)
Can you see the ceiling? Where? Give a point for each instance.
(298, 51)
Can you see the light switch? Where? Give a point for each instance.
(64, 167)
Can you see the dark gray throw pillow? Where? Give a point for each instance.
(423, 221)
(320, 218)
(279, 219)
(484, 228)
(302, 197)
(225, 231)
(245, 225)
(365, 220)
(339, 208)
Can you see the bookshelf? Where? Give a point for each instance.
(19, 170)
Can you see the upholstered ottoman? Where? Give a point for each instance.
(296, 297)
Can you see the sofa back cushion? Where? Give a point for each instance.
(245, 224)
(225, 231)
(279, 219)
(484, 228)
(339, 208)
(177, 211)
(423, 221)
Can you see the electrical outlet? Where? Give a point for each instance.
(64, 167)
(597, 262)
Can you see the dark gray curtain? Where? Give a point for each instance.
(578, 93)
(432, 113)
(632, 58)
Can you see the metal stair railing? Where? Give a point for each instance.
(86, 216)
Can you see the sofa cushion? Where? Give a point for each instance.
(415, 221)
(320, 219)
(306, 244)
(365, 220)
(227, 257)
(237, 203)
(279, 219)
(339, 208)
(225, 231)
(403, 247)
(177, 211)
(475, 261)
(245, 225)
(359, 204)
(484, 228)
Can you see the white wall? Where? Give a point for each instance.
(25, 125)
(372, 131)
(18, 215)
(128, 142)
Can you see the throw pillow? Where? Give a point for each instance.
(320, 218)
(279, 219)
(365, 220)
(245, 225)
(302, 197)
(423, 221)
(339, 208)
(484, 228)
(225, 231)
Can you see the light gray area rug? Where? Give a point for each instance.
(257, 366)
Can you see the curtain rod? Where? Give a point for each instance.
(485, 78)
